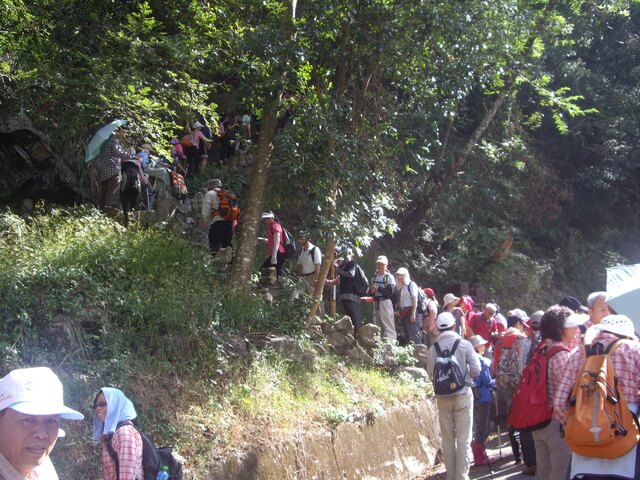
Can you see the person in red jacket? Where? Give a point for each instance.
(485, 324)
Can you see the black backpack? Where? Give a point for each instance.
(447, 374)
(289, 244)
(130, 178)
(360, 282)
(153, 458)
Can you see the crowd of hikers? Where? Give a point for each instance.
(129, 178)
(565, 379)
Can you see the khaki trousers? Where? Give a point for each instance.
(455, 413)
(552, 453)
(383, 317)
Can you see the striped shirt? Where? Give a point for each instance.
(626, 363)
(127, 443)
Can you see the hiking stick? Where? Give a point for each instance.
(484, 446)
(498, 426)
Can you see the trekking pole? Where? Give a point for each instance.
(498, 427)
(484, 447)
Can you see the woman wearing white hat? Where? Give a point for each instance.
(450, 304)
(626, 364)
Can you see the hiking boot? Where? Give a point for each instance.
(529, 470)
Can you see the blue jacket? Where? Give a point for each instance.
(483, 382)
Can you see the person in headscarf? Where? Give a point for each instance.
(121, 442)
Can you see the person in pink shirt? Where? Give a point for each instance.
(626, 364)
(552, 453)
(113, 425)
(275, 243)
(193, 152)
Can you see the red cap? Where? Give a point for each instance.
(429, 292)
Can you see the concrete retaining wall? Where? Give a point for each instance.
(397, 445)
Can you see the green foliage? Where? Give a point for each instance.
(73, 277)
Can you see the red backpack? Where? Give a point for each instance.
(530, 409)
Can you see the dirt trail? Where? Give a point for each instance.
(501, 470)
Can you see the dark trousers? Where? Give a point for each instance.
(524, 441)
(193, 159)
(410, 330)
(280, 259)
(352, 309)
(109, 191)
(482, 416)
(220, 235)
(130, 201)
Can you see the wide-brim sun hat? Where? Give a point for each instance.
(450, 298)
(477, 340)
(35, 391)
(620, 325)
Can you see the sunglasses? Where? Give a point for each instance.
(99, 405)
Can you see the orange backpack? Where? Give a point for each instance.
(186, 141)
(228, 207)
(599, 423)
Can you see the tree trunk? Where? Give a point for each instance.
(250, 220)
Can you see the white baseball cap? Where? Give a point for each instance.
(35, 391)
(382, 259)
(575, 320)
(267, 214)
(445, 320)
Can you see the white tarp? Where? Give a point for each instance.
(623, 291)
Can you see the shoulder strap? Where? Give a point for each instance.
(455, 346)
(437, 347)
(612, 347)
(113, 455)
(551, 351)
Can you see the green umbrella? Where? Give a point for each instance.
(93, 149)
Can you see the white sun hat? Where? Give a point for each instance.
(35, 391)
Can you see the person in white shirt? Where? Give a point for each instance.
(409, 318)
(220, 230)
(383, 284)
(308, 265)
